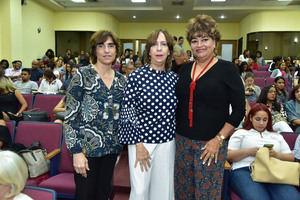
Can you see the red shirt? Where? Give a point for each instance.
(253, 67)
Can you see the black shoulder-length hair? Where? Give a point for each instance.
(263, 97)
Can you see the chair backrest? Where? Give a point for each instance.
(47, 103)
(29, 100)
(260, 81)
(270, 81)
(264, 67)
(66, 161)
(290, 138)
(263, 74)
(11, 125)
(252, 103)
(37, 193)
(47, 133)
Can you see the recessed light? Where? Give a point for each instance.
(133, 16)
(217, 0)
(177, 16)
(222, 17)
(78, 1)
(138, 1)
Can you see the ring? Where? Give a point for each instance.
(212, 156)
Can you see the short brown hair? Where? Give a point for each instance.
(293, 96)
(151, 40)
(99, 38)
(202, 25)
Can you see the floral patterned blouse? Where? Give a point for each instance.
(92, 113)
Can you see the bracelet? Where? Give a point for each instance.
(220, 138)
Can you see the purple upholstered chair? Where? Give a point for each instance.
(29, 100)
(47, 103)
(260, 81)
(121, 179)
(63, 183)
(263, 74)
(50, 137)
(11, 125)
(37, 193)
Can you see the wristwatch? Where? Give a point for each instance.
(221, 138)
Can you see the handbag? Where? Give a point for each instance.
(35, 115)
(34, 157)
(267, 169)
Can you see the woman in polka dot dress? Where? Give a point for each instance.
(147, 122)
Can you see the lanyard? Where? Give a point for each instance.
(192, 88)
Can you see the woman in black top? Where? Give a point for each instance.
(10, 99)
(5, 137)
(205, 90)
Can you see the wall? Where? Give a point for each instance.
(85, 21)
(36, 44)
(269, 21)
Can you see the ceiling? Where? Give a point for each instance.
(167, 10)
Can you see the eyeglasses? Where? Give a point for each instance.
(103, 46)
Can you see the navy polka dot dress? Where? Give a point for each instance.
(148, 107)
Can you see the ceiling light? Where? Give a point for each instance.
(222, 17)
(78, 1)
(138, 1)
(133, 16)
(217, 0)
(284, 0)
(177, 16)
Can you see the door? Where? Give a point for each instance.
(226, 49)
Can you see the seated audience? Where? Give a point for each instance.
(5, 137)
(245, 56)
(83, 59)
(236, 62)
(129, 68)
(4, 64)
(252, 63)
(13, 176)
(67, 82)
(49, 85)
(259, 59)
(49, 53)
(281, 94)
(243, 145)
(275, 63)
(66, 72)
(69, 56)
(59, 111)
(296, 150)
(36, 73)
(293, 108)
(10, 99)
(243, 69)
(282, 71)
(279, 116)
(138, 64)
(251, 91)
(26, 86)
(58, 68)
(14, 73)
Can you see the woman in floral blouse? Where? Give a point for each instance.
(92, 113)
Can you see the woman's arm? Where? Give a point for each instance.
(22, 101)
(60, 107)
(282, 156)
(237, 155)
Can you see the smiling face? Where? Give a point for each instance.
(297, 95)
(159, 51)
(260, 121)
(282, 66)
(106, 52)
(203, 47)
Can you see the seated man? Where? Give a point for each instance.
(26, 86)
(14, 73)
(36, 73)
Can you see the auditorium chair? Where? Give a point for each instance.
(37, 193)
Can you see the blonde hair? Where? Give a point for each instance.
(6, 84)
(13, 172)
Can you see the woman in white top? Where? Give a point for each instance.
(243, 145)
(13, 176)
(245, 56)
(50, 84)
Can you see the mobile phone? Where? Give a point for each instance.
(269, 146)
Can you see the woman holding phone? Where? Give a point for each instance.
(243, 144)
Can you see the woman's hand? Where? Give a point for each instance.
(253, 151)
(142, 156)
(80, 164)
(273, 153)
(211, 150)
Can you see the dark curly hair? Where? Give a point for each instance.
(263, 97)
